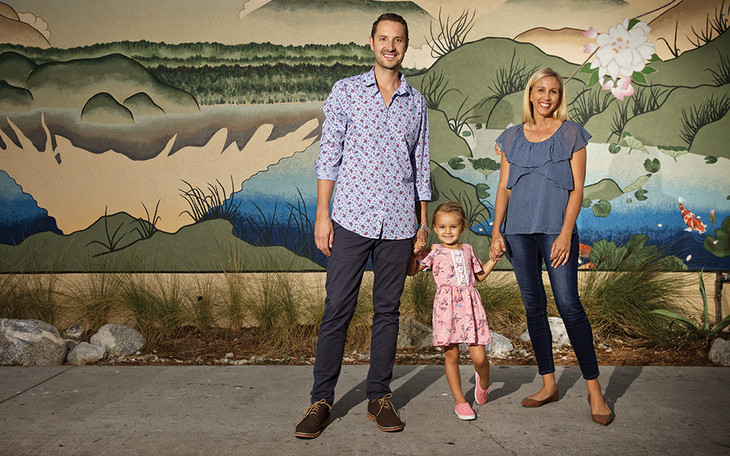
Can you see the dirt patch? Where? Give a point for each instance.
(193, 347)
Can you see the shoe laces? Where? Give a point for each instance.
(314, 408)
(385, 403)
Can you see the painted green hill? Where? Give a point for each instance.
(14, 98)
(205, 246)
(676, 107)
(103, 108)
(71, 84)
(15, 68)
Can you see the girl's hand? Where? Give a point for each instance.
(418, 246)
(560, 251)
(498, 247)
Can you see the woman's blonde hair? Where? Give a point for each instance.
(561, 113)
(450, 207)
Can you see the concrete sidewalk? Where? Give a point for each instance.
(253, 410)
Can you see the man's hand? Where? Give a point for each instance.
(324, 234)
(420, 242)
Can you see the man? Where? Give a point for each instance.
(375, 147)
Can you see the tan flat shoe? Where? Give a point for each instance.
(530, 402)
(603, 420)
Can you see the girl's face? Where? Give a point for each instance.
(448, 228)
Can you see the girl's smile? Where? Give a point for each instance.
(448, 228)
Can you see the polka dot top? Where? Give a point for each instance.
(540, 177)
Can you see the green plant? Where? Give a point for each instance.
(451, 35)
(434, 89)
(502, 303)
(722, 75)
(156, 306)
(418, 295)
(633, 255)
(461, 118)
(94, 295)
(705, 330)
(201, 301)
(29, 296)
(216, 204)
(148, 227)
(303, 242)
(618, 303)
(696, 117)
(714, 26)
(112, 241)
(588, 103)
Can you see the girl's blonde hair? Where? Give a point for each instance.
(561, 113)
(450, 207)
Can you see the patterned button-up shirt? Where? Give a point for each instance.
(378, 155)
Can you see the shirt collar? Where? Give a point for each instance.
(403, 89)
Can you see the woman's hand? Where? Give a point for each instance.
(498, 247)
(560, 251)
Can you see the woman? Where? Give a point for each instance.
(543, 165)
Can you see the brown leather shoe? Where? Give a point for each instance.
(315, 420)
(603, 420)
(383, 412)
(530, 402)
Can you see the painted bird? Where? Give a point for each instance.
(692, 221)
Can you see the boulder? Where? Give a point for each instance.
(73, 335)
(720, 352)
(118, 340)
(413, 334)
(500, 347)
(557, 328)
(85, 353)
(30, 343)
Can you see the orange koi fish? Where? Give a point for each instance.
(692, 221)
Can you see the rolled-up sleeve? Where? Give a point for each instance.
(423, 159)
(334, 128)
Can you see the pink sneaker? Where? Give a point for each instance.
(480, 395)
(464, 411)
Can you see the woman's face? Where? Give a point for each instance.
(545, 96)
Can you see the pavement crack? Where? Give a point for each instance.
(34, 386)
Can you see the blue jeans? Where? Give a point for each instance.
(527, 251)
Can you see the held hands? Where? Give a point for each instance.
(560, 251)
(420, 242)
(498, 247)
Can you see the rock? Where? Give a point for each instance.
(118, 340)
(73, 335)
(85, 353)
(413, 334)
(720, 352)
(501, 347)
(30, 343)
(557, 328)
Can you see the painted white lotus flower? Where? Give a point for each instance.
(621, 89)
(622, 51)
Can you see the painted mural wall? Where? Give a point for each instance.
(181, 135)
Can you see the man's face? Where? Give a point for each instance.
(389, 44)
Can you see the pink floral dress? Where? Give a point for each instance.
(458, 313)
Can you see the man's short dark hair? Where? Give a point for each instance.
(389, 17)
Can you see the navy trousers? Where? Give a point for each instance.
(345, 268)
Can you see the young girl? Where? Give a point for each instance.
(458, 313)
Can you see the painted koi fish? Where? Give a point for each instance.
(692, 221)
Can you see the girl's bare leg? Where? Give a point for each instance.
(451, 358)
(481, 364)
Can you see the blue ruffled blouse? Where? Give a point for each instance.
(540, 177)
